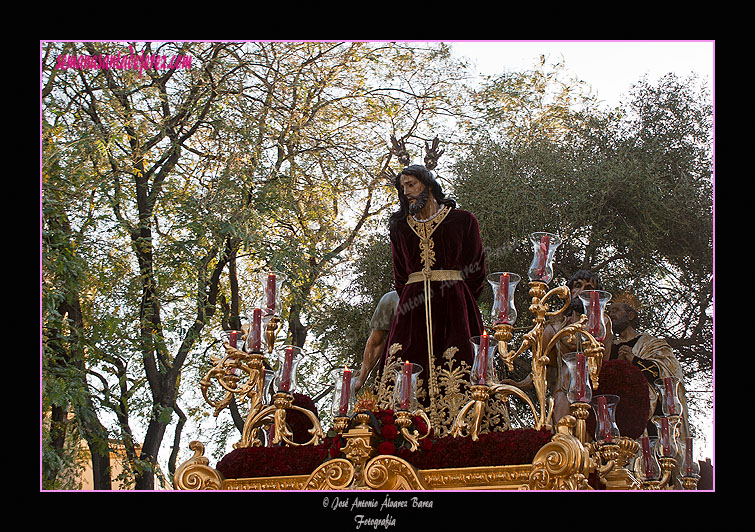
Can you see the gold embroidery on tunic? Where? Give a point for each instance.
(424, 231)
(451, 390)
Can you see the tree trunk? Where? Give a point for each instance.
(69, 354)
(164, 381)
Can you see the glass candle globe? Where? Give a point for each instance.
(405, 388)
(544, 245)
(483, 368)
(646, 466)
(668, 389)
(579, 390)
(594, 303)
(667, 428)
(689, 466)
(288, 361)
(504, 286)
(233, 338)
(604, 407)
(271, 289)
(343, 396)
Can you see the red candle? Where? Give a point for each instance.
(688, 468)
(288, 361)
(343, 407)
(594, 321)
(483, 357)
(406, 385)
(233, 337)
(270, 293)
(605, 419)
(646, 456)
(256, 336)
(503, 298)
(544, 244)
(668, 383)
(665, 437)
(580, 370)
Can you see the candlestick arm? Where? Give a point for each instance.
(563, 293)
(270, 331)
(229, 371)
(668, 464)
(480, 395)
(276, 414)
(404, 421)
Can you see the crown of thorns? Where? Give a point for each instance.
(432, 153)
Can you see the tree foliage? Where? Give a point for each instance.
(176, 185)
(629, 192)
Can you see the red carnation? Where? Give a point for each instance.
(622, 378)
(387, 418)
(335, 448)
(386, 447)
(390, 431)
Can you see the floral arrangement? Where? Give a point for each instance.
(622, 378)
(510, 447)
(249, 462)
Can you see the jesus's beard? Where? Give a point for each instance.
(421, 201)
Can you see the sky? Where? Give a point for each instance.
(609, 67)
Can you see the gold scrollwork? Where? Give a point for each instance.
(611, 461)
(561, 464)
(228, 371)
(335, 474)
(481, 395)
(196, 474)
(404, 420)
(387, 472)
(276, 413)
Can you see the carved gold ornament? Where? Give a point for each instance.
(196, 474)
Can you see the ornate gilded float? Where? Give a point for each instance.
(464, 440)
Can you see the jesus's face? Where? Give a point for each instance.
(577, 287)
(416, 192)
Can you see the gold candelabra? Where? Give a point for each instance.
(243, 373)
(610, 457)
(533, 341)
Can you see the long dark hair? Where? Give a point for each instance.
(585, 275)
(424, 176)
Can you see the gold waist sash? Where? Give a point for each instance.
(435, 275)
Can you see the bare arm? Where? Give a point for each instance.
(372, 352)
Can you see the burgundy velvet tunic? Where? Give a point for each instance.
(456, 245)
